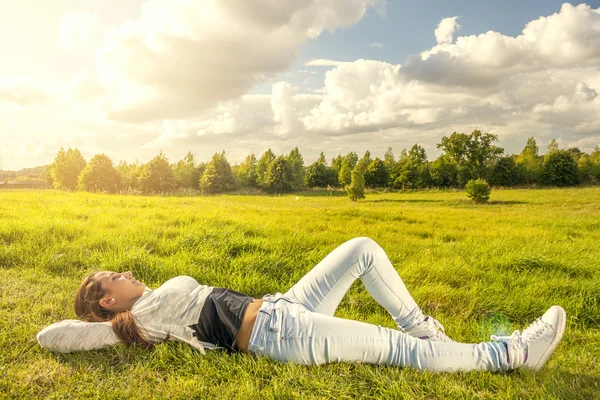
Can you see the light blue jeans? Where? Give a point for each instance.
(299, 325)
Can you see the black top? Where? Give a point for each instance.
(221, 317)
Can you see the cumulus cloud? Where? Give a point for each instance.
(580, 110)
(444, 33)
(22, 91)
(184, 56)
(379, 45)
(86, 87)
(284, 110)
(248, 116)
(79, 30)
(325, 63)
(568, 39)
(508, 85)
(192, 76)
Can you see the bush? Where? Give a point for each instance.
(356, 189)
(506, 172)
(478, 190)
(560, 169)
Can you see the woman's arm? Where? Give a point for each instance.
(73, 335)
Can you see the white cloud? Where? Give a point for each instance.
(284, 110)
(177, 79)
(79, 30)
(183, 56)
(507, 85)
(22, 91)
(568, 39)
(87, 88)
(325, 63)
(444, 33)
(580, 110)
(379, 45)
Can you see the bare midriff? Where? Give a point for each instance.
(243, 336)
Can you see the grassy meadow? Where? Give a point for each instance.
(478, 269)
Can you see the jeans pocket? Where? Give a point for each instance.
(274, 327)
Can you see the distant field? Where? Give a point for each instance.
(476, 268)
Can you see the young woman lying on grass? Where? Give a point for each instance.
(296, 326)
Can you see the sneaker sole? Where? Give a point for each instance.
(560, 330)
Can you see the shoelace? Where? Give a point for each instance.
(440, 332)
(535, 329)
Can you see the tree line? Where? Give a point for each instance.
(465, 157)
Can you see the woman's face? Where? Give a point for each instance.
(122, 290)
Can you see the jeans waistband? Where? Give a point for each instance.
(257, 338)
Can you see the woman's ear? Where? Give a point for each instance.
(106, 302)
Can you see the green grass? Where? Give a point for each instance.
(476, 268)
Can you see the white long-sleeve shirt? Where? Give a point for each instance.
(170, 308)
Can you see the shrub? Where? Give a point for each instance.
(559, 169)
(356, 189)
(506, 172)
(478, 190)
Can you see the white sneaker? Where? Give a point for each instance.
(531, 348)
(430, 329)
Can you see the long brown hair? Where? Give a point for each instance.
(88, 308)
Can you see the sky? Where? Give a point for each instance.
(132, 78)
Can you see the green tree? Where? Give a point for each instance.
(246, 173)
(336, 163)
(217, 177)
(444, 172)
(395, 173)
(506, 172)
(356, 189)
(296, 162)
(46, 176)
(575, 153)
(262, 166)
(377, 174)
(559, 169)
(99, 175)
(352, 159)
(345, 175)
(156, 176)
(585, 168)
(186, 172)
(390, 165)
(65, 169)
(128, 174)
(414, 172)
(595, 155)
(318, 174)
(595, 160)
(529, 162)
(367, 158)
(552, 148)
(279, 176)
(472, 153)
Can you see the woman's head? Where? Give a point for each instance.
(103, 294)
(109, 296)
